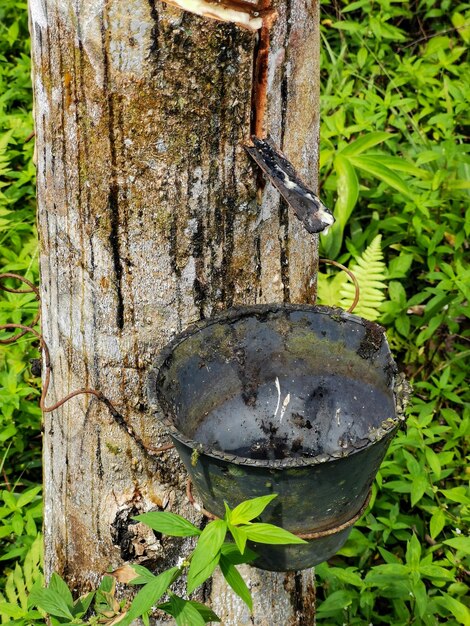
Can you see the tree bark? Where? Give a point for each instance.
(149, 219)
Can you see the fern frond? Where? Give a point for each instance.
(19, 583)
(370, 271)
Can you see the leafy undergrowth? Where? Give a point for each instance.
(394, 163)
(396, 91)
(20, 438)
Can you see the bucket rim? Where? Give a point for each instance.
(387, 428)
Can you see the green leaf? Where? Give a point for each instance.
(348, 190)
(205, 612)
(397, 292)
(362, 56)
(365, 142)
(11, 610)
(270, 534)
(401, 165)
(168, 524)
(28, 496)
(418, 589)
(107, 584)
(400, 265)
(386, 574)
(233, 554)
(437, 523)
(82, 605)
(50, 601)
(433, 461)
(58, 585)
(346, 576)
(462, 25)
(387, 556)
(402, 324)
(184, 612)
(149, 595)
(197, 578)
(336, 601)
(329, 288)
(458, 610)
(7, 432)
(435, 572)
(145, 575)
(413, 553)
(17, 523)
(239, 537)
(462, 544)
(236, 582)
(206, 555)
(456, 494)
(374, 167)
(418, 488)
(12, 554)
(10, 500)
(248, 510)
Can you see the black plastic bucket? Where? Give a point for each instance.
(286, 399)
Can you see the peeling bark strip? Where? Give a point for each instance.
(259, 98)
(245, 14)
(148, 220)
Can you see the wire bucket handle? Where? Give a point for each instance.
(351, 276)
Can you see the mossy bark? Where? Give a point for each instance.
(149, 219)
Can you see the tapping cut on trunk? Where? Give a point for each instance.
(251, 16)
(260, 74)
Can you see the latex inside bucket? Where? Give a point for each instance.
(280, 387)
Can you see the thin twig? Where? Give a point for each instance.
(29, 137)
(432, 35)
(5, 478)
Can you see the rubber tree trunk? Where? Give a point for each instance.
(150, 217)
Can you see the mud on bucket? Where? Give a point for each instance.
(293, 400)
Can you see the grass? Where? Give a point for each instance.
(394, 163)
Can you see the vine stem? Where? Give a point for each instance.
(32, 289)
(47, 363)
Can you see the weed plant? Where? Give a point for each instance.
(395, 167)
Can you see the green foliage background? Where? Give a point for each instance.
(394, 162)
